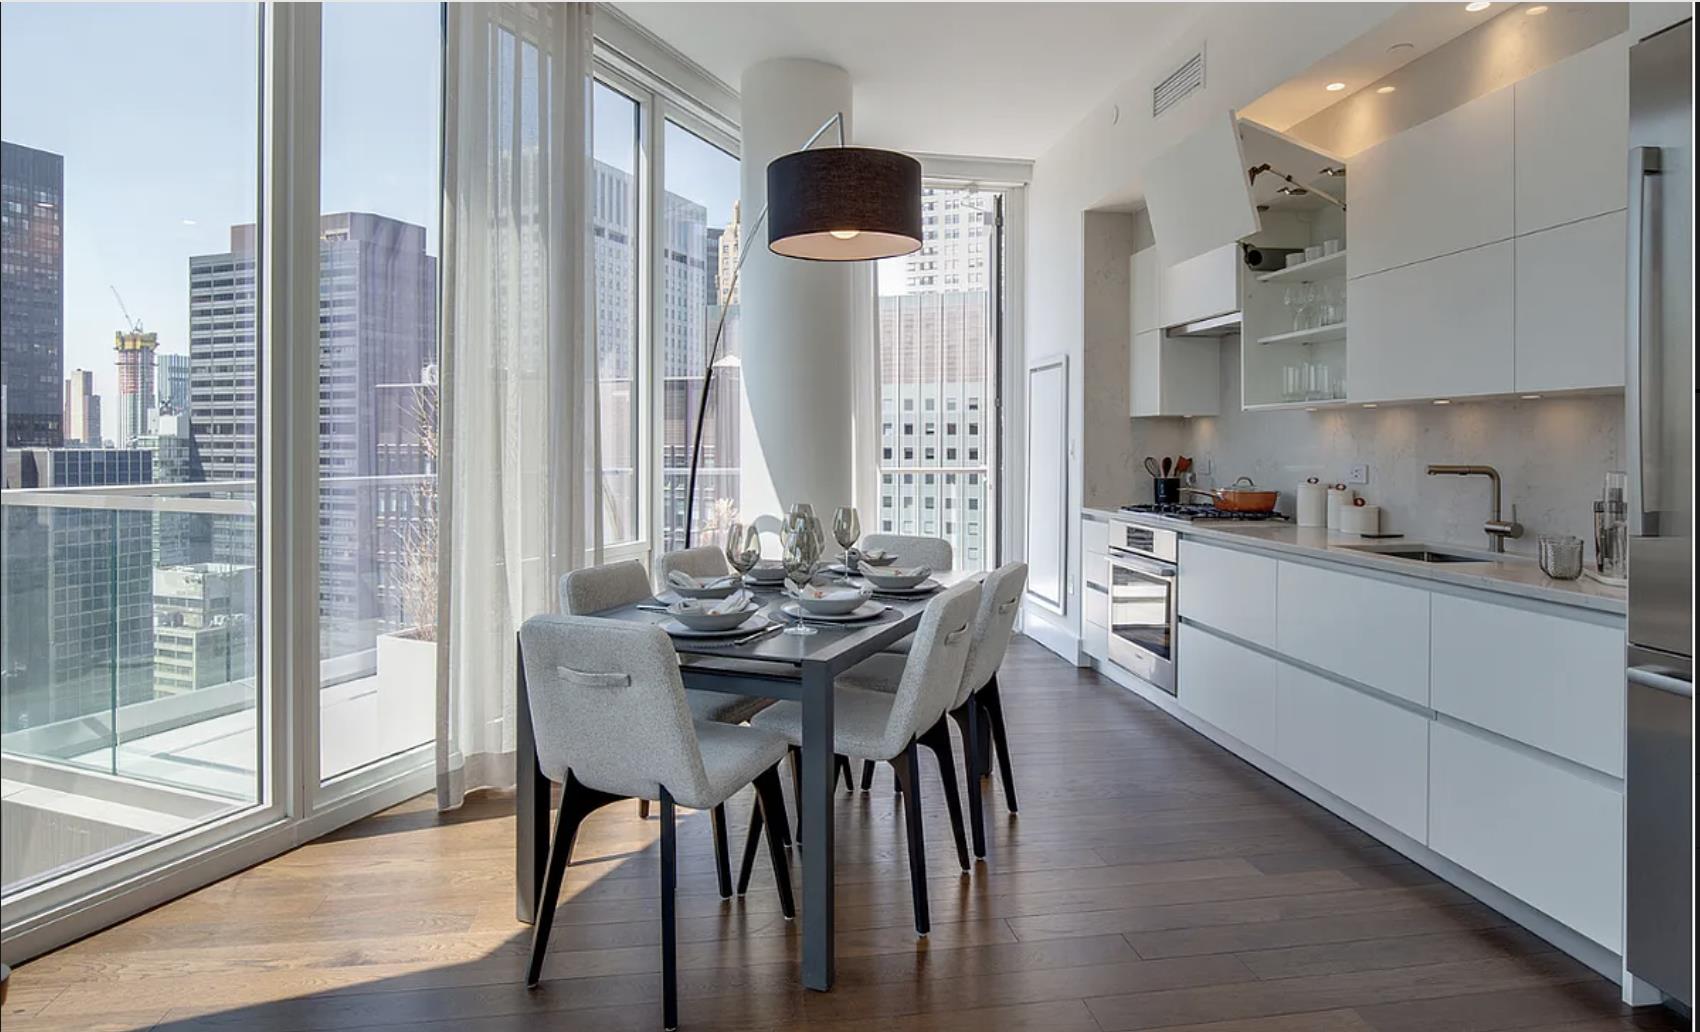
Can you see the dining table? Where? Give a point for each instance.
(772, 666)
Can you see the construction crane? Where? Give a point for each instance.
(135, 325)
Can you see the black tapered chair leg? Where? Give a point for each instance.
(770, 798)
(577, 803)
(867, 774)
(669, 914)
(993, 706)
(797, 788)
(841, 765)
(751, 839)
(722, 861)
(905, 766)
(937, 738)
(968, 721)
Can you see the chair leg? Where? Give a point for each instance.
(577, 803)
(751, 840)
(669, 915)
(769, 797)
(797, 788)
(905, 766)
(643, 809)
(937, 738)
(993, 706)
(967, 719)
(867, 775)
(722, 861)
(841, 765)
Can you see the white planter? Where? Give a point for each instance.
(407, 691)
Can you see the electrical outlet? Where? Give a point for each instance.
(1201, 466)
(1358, 474)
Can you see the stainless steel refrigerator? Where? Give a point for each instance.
(1659, 431)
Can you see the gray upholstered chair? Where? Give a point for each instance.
(596, 588)
(912, 549)
(887, 725)
(977, 708)
(609, 711)
(701, 561)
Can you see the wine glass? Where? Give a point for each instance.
(801, 555)
(743, 547)
(846, 527)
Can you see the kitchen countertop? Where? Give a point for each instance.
(1509, 575)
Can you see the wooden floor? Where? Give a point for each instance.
(1150, 881)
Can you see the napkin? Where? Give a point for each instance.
(681, 579)
(898, 572)
(833, 591)
(736, 602)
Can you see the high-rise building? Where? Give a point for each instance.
(955, 244)
(135, 350)
(377, 326)
(32, 294)
(203, 631)
(82, 410)
(178, 537)
(172, 374)
(78, 607)
(726, 243)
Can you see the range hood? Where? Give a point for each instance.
(1225, 325)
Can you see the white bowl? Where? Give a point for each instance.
(767, 573)
(697, 618)
(876, 559)
(832, 599)
(898, 577)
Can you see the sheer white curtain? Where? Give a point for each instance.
(519, 428)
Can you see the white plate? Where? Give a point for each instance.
(678, 630)
(865, 611)
(926, 587)
(754, 581)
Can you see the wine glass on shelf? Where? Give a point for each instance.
(743, 547)
(846, 527)
(801, 555)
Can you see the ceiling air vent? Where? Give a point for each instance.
(1177, 84)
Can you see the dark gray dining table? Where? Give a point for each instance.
(775, 666)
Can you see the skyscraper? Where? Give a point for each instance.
(32, 294)
(135, 350)
(172, 373)
(82, 410)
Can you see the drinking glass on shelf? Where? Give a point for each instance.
(846, 527)
(743, 547)
(801, 555)
(1290, 298)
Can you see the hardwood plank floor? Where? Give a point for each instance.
(1151, 881)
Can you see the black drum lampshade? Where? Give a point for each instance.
(843, 204)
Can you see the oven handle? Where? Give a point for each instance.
(1148, 567)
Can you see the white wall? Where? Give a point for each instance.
(1250, 48)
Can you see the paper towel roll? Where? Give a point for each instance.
(1338, 498)
(1313, 505)
(1360, 519)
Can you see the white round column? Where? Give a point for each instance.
(796, 315)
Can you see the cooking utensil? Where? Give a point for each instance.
(1152, 468)
(1182, 465)
(1168, 464)
(1240, 496)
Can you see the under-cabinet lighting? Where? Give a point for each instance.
(1369, 404)
(1537, 9)
(1386, 89)
(1442, 401)
(1531, 397)
(1335, 87)
(1310, 408)
(1477, 5)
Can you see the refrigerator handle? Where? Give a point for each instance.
(1641, 398)
(1661, 680)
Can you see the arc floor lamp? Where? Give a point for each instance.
(835, 204)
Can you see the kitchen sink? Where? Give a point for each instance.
(1417, 554)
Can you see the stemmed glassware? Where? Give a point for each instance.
(802, 553)
(743, 547)
(846, 528)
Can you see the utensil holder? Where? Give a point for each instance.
(1166, 490)
(1561, 556)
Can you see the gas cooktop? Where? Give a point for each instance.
(1196, 513)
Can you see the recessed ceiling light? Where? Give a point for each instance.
(1442, 401)
(1477, 5)
(1400, 48)
(1385, 89)
(1537, 9)
(1335, 87)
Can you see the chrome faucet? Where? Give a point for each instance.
(1497, 529)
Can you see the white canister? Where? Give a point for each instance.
(1339, 496)
(1360, 519)
(1313, 504)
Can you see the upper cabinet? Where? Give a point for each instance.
(1443, 186)
(1197, 193)
(1572, 138)
(1170, 376)
(1199, 287)
(1435, 329)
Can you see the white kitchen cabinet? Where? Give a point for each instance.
(1553, 682)
(1368, 752)
(1200, 287)
(1442, 186)
(1367, 630)
(1146, 266)
(1545, 833)
(1440, 328)
(1196, 192)
(1174, 376)
(1228, 590)
(1229, 686)
(1572, 135)
(1571, 296)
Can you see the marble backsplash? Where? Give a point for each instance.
(1550, 452)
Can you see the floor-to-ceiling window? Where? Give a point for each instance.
(939, 329)
(130, 688)
(617, 187)
(381, 69)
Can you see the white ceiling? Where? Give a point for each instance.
(988, 80)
